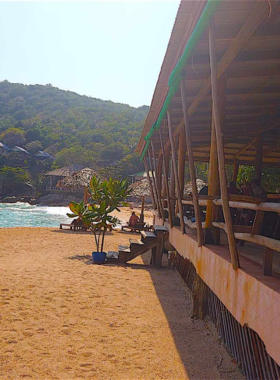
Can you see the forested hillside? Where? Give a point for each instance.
(72, 128)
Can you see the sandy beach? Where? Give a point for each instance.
(63, 318)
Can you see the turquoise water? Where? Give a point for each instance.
(24, 215)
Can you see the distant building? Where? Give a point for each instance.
(57, 175)
(4, 149)
(138, 176)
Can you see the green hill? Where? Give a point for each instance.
(72, 128)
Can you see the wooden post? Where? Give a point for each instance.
(172, 189)
(181, 160)
(155, 181)
(212, 235)
(220, 149)
(200, 292)
(165, 156)
(259, 153)
(235, 170)
(150, 183)
(191, 165)
(267, 262)
(142, 210)
(173, 157)
(159, 175)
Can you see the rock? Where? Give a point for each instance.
(59, 199)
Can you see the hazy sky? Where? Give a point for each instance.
(108, 50)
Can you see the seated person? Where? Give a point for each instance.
(232, 189)
(244, 189)
(257, 189)
(204, 190)
(133, 220)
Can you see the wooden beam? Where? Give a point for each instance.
(200, 238)
(220, 149)
(259, 239)
(166, 154)
(150, 183)
(173, 157)
(242, 150)
(259, 13)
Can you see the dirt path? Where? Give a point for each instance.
(63, 318)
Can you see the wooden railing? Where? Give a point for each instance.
(244, 232)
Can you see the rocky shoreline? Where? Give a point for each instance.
(19, 198)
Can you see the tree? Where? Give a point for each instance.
(34, 146)
(13, 179)
(13, 136)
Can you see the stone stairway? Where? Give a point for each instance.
(149, 241)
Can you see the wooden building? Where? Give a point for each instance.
(217, 100)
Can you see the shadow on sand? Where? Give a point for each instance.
(177, 308)
(78, 232)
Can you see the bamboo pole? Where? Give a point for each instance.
(165, 156)
(155, 177)
(142, 209)
(153, 181)
(213, 175)
(159, 175)
(220, 149)
(200, 238)
(150, 183)
(173, 157)
(181, 160)
(172, 188)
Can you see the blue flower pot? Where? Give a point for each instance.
(98, 257)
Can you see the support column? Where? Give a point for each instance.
(174, 165)
(212, 234)
(155, 179)
(165, 156)
(200, 292)
(181, 160)
(150, 183)
(191, 165)
(259, 154)
(220, 149)
(159, 175)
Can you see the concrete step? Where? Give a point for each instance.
(136, 242)
(124, 248)
(148, 235)
(160, 228)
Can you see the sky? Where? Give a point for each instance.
(107, 50)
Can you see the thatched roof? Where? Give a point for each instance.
(78, 179)
(66, 171)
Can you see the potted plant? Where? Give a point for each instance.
(107, 196)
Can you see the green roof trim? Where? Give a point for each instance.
(177, 74)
